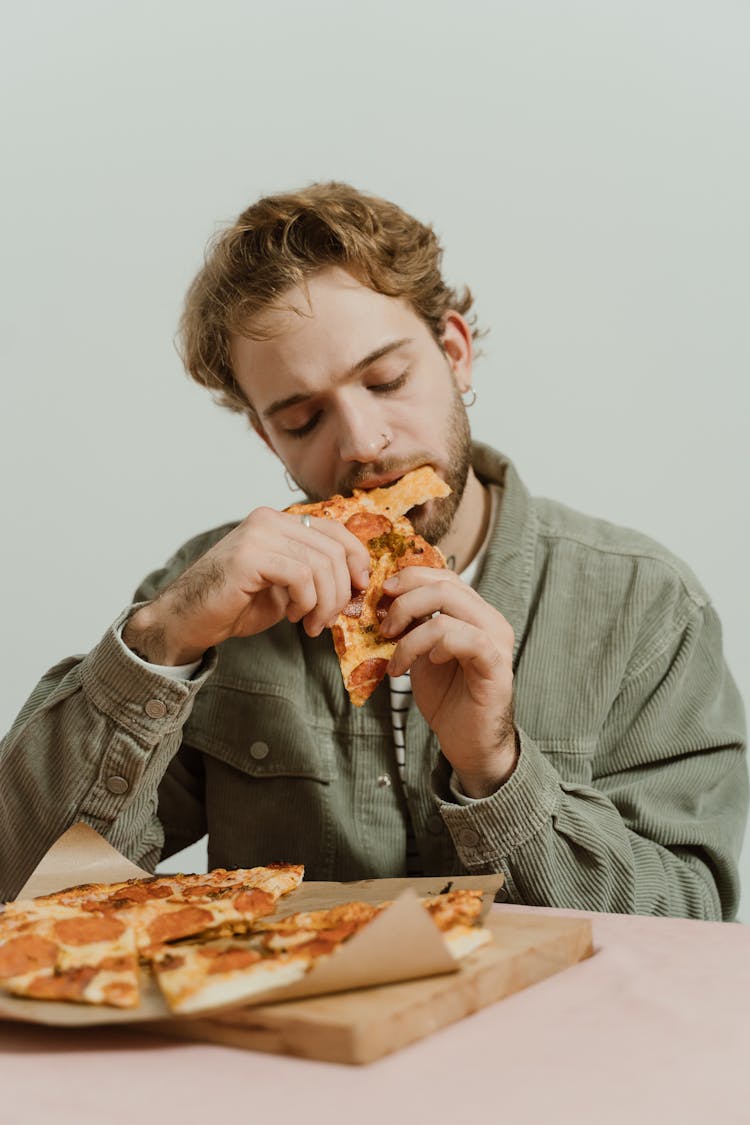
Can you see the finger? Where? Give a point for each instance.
(356, 555)
(292, 576)
(446, 596)
(442, 639)
(327, 561)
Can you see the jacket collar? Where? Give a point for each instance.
(507, 574)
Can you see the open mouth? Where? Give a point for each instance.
(385, 480)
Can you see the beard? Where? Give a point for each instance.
(431, 520)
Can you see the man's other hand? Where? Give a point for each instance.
(459, 651)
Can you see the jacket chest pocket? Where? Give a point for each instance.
(269, 772)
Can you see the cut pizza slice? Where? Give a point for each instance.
(276, 878)
(194, 976)
(171, 907)
(78, 956)
(377, 517)
(216, 973)
(455, 914)
(207, 908)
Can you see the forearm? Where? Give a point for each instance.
(92, 743)
(566, 845)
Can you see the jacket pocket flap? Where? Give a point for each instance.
(261, 733)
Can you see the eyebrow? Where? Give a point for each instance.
(360, 366)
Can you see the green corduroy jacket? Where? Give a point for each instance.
(630, 794)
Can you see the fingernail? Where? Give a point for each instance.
(390, 584)
(364, 578)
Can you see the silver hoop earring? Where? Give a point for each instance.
(472, 397)
(291, 482)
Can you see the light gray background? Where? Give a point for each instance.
(585, 163)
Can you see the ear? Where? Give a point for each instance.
(457, 344)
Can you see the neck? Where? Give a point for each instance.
(469, 526)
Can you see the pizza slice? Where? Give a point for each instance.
(142, 901)
(194, 977)
(170, 907)
(229, 971)
(277, 878)
(378, 518)
(78, 956)
(455, 914)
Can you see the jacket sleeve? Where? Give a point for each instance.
(659, 827)
(93, 742)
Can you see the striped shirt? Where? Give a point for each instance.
(401, 699)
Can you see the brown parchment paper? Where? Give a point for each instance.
(400, 944)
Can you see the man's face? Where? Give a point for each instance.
(357, 368)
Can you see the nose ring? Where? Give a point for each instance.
(386, 442)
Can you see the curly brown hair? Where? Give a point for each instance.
(281, 241)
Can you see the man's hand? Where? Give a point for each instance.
(461, 672)
(267, 568)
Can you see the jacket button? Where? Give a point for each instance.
(435, 824)
(155, 709)
(384, 781)
(259, 751)
(468, 837)
(117, 784)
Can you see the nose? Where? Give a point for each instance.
(362, 436)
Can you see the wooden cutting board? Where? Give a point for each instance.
(361, 1026)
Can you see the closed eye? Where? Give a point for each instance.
(307, 428)
(387, 388)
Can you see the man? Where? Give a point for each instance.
(572, 723)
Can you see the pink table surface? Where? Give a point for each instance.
(654, 1028)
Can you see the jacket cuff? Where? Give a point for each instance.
(488, 830)
(135, 697)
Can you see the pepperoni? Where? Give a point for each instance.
(340, 932)
(368, 525)
(318, 947)
(180, 923)
(201, 890)
(339, 640)
(69, 984)
(419, 553)
(369, 671)
(227, 960)
(171, 961)
(83, 931)
(354, 606)
(117, 964)
(254, 902)
(384, 604)
(26, 954)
